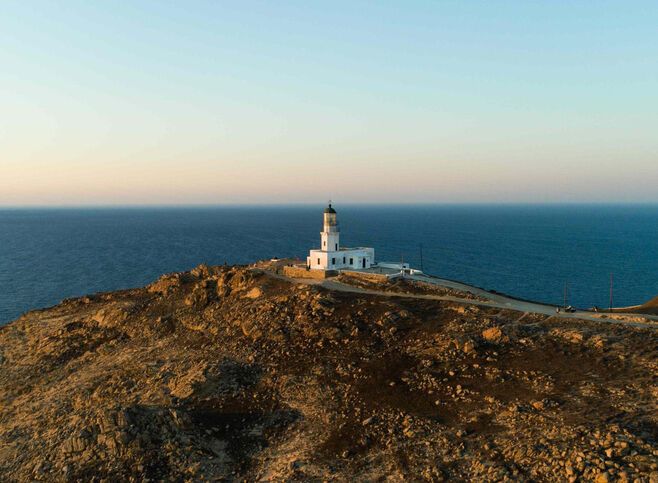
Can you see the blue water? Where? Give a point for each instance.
(527, 251)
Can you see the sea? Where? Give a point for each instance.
(528, 251)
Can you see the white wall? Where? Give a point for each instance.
(356, 254)
(331, 238)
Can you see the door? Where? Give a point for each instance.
(364, 263)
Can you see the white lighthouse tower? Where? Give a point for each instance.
(330, 234)
(331, 256)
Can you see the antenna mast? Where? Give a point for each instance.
(566, 292)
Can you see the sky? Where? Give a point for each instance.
(213, 102)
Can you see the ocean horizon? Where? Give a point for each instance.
(525, 250)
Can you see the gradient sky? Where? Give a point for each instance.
(169, 102)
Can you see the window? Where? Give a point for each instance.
(333, 261)
(324, 243)
(351, 261)
(336, 247)
(343, 259)
(318, 261)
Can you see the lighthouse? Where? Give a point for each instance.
(331, 255)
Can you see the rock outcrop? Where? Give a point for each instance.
(230, 373)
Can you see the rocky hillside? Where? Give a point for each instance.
(233, 374)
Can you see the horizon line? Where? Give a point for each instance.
(346, 203)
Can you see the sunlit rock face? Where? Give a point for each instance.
(235, 373)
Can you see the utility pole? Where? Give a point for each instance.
(611, 290)
(421, 257)
(566, 292)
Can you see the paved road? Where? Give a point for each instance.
(493, 300)
(503, 301)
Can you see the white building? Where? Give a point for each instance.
(331, 255)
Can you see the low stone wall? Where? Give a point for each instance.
(365, 276)
(277, 265)
(302, 272)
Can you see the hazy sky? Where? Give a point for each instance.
(413, 101)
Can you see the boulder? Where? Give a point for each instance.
(254, 293)
(572, 336)
(188, 383)
(111, 315)
(200, 295)
(492, 334)
(165, 284)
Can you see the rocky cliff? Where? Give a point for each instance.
(230, 373)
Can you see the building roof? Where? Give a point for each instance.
(329, 209)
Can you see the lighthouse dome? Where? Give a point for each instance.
(329, 209)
